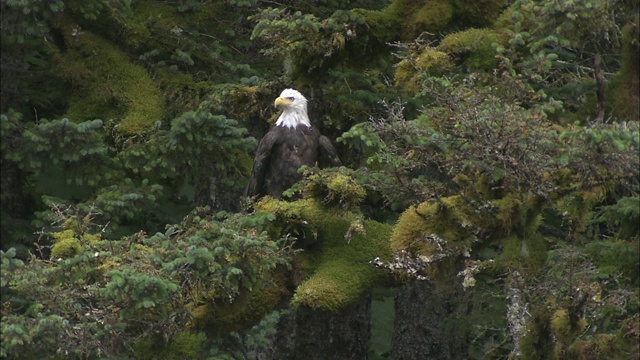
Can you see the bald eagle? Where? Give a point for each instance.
(291, 143)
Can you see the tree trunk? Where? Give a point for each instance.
(419, 331)
(322, 335)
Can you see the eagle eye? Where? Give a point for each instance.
(290, 98)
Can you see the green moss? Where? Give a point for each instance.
(215, 314)
(185, 345)
(623, 92)
(602, 346)
(335, 187)
(431, 58)
(65, 244)
(147, 17)
(410, 70)
(473, 47)
(478, 12)
(431, 17)
(444, 230)
(338, 269)
(406, 76)
(384, 25)
(537, 342)
(564, 331)
(107, 85)
(449, 219)
(343, 272)
(408, 19)
(526, 253)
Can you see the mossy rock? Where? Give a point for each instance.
(473, 47)
(107, 85)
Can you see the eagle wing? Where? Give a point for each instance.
(327, 154)
(254, 187)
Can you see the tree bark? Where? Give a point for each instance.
(419, 331)
(322, 335)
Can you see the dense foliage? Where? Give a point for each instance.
(490, 145)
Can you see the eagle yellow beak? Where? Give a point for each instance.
(280, 101)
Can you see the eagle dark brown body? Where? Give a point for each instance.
(283, 150)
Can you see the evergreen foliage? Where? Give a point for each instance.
(489, 144)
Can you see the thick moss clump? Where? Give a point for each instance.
(106, 84)
(431, 17)
(565, 331)
(473, 47)
(443, 232)
(448, 220)
(408, 18)
(65, 245)
(185, 345)
(537, 342)
(602, 346)
(338, 266)
(214, 314)
(478, 12)
(438, 233)
(344, 273)
(410, 70)
(334, 187)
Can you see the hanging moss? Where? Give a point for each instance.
(473, 47)
(108, 84)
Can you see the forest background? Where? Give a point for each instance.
(488, 206)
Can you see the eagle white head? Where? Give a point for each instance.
(294, 105)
